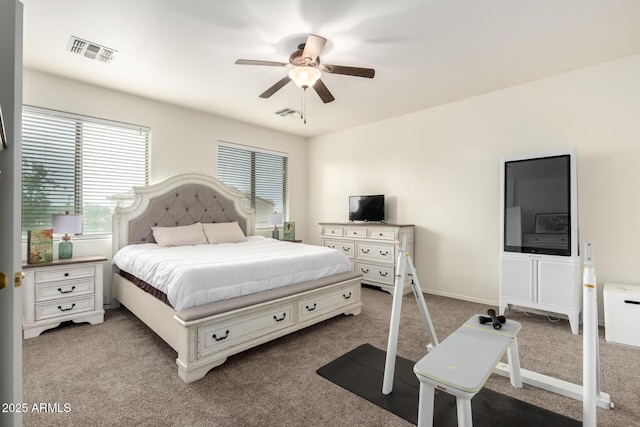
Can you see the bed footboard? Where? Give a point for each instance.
(205, 343)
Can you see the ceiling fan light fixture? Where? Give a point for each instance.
(304, 76)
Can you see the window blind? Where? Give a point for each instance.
(75, 163)
(260, 174)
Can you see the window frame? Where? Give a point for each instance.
(84, 125)
(252, 194)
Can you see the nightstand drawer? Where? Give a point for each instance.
(70, 289)
(64, 273)
(47, 310)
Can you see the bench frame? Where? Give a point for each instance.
(442, 367)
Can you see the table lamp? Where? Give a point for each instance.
(275, 219)
(67, 224)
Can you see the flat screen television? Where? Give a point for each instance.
(366, 208)
(537, 205)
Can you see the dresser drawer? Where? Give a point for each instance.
(244, 328)
(356, 232)
(68, 289)
(376, 273)
(377, 253)
(64, 273)
(331, 230)
(345, 247)
(63, 307)
(382, 234)
(318, 305)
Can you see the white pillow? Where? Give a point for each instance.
(180, 235)
(223, 232)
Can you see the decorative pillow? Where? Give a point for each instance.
(180, 235)
(223, 232)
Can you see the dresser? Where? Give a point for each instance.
(60, 291)
(372, 249)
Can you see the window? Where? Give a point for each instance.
(260, 174)
(76, 163)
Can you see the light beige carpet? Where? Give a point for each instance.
(120, 373)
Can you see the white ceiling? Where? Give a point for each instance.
(425, 52)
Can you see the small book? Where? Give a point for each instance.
(39, 246)
(289, 230)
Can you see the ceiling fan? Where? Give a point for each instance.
(306, 69)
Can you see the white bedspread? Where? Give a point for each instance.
(200, 274)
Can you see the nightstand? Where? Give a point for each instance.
(62, 290)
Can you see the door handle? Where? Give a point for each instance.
(3, 280)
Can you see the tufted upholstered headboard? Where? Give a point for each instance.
(179, 200)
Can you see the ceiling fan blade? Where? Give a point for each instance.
(313, 47)
(256, 62)
(323, 92)
(349, 71)
(276, 87)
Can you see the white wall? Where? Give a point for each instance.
(182, 140)
(440, 168)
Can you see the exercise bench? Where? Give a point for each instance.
(461, 364)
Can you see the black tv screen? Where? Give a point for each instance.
(366, 208)
(537, 203)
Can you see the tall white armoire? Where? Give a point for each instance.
(539, 259)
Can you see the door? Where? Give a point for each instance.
(517, 279)
(11, 293)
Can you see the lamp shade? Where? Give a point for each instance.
(66, 224)
(274, 219)
(304, 76)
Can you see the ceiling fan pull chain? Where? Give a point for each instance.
(304, 105)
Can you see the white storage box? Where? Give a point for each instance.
(622, 314)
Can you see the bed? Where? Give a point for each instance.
(204, 334)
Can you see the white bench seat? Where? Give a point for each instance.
(461, 364)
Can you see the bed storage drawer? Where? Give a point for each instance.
(47, 310)
(222, 335)
(326, 302)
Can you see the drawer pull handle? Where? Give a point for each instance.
(383, 273)
(380, 234)
(385, 253)
(332, 231)
(364, 251)
(67, 309)
(66, 274)
(284, 315)
(345, 249)
(215, 337)
(310, 308)
(628, 301)
(66, 292)
(346, 296)
(331, 246)
(364, 270)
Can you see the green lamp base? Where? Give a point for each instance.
(276, 234)
(65, 249)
